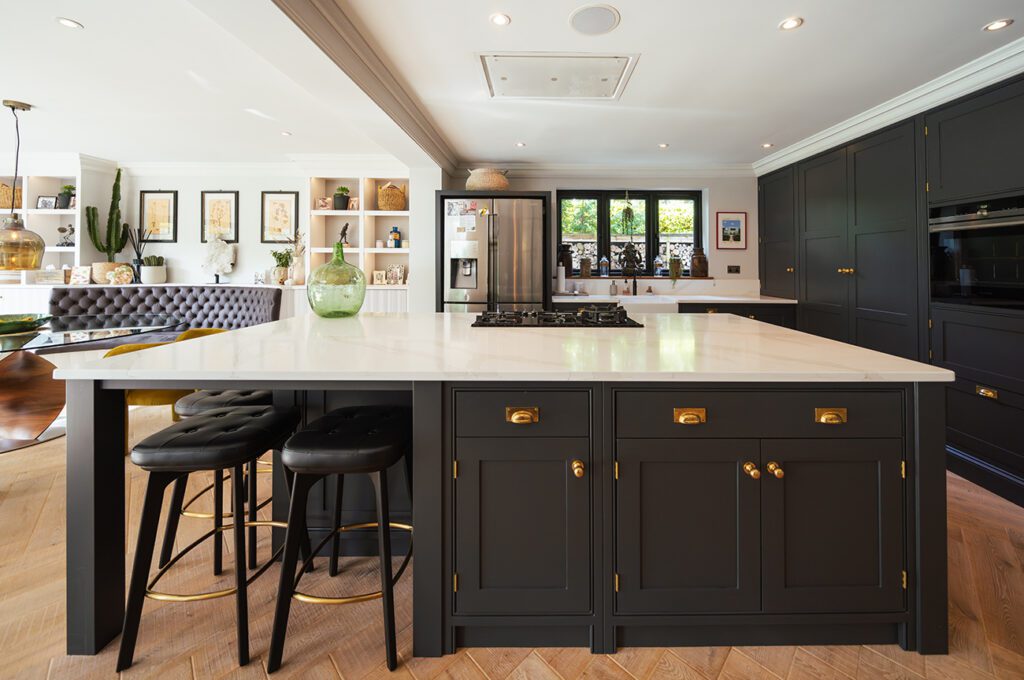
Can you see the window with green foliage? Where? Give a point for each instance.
(661, 225)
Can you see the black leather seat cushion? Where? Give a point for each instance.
(351, 440)
(206, 400)
(216, 439)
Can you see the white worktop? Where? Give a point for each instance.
(426, 346)
(674, 299)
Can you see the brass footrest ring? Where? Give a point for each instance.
(195, 514)
(213, 594)
(362, 597)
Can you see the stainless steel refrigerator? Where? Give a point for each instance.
(494, 252)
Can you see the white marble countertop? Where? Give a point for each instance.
(426, 346)
(642, 298)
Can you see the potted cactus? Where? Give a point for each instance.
(115, 238)
(67, 192)
(341, 198)
(153, 270)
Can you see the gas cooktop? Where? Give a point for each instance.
(590, 317)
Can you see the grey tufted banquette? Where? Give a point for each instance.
(228, 307)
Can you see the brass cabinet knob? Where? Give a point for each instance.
(790, 270)
(522, 415)
(830, 416)
(776, 469)
(851, 270)
(751, 470)
(689, 416)
(840, 271)
(578, 468)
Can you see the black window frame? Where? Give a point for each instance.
(651, 235)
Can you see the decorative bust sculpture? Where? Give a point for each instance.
(630, 260)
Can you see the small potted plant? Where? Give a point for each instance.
(283, 260)
(153, 270)
(341, 198)
(67, 192)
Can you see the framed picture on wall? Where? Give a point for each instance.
(219, 216)
(279, 216)
(158, 215)
(731, 230)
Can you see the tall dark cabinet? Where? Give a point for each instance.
(776, 201)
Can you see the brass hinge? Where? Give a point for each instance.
(455, 582)
(925, 130)
(616, 582)
(930, 323)
(904, 573)
(927, 187)
(455, 469)
(616, 469)
(903, 469)
(929, 354)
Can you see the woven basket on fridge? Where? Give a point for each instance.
(5, 197)
(391, 197)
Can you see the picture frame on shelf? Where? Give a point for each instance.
(81, 276)
(46, 203)
(279, 216)
(395, 274)
(158, 215)
(353, 203)
(219, 216)
(323, 203)
(731, 230)
(379, 277)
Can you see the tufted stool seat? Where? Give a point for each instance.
(224, 438)
(354, 440)
(206, 400)
(350, 440)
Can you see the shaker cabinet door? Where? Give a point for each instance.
(831, 525)
(686, 526)
(777, 225)
(522, 526)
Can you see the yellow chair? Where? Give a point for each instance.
(148, 397)
(193, 333)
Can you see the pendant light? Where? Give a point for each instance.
(20, 248)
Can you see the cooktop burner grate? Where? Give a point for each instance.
(588, 317)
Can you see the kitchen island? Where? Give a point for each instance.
(704, 479)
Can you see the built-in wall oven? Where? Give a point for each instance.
(977, 253)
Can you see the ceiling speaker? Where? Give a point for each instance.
(594, 19)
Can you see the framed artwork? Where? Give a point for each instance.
(731, 230)
(46, 202)
(279, 216)
(158, 215)
(81, 275)
(323, 203)
(379, 277)
(219, 217)
(395, 274)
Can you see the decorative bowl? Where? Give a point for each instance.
(20, 323)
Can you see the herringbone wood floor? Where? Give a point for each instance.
(186, 641)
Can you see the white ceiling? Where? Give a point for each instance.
(715, 78)
(163, 81)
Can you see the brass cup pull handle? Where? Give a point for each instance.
(578, 468)
(840, 270)
(689, 416)
(830, 416)
(776, 469)
(986, 392)
(522, 415)
(751, 470)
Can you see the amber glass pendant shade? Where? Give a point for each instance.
(20, 248)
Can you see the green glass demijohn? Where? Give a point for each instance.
(336, 289)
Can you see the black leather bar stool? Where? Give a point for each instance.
(193, 404)
(226, 438)
(360, 439)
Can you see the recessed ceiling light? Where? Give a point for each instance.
(997, 24)
(520, 144)
(594, 19)
(71, 23)
(663, 146)
(790, 23)
(767, 145)
(501, 19)
(285, 133)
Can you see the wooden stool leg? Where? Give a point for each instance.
(148, 527)
(301, 485)
(238, 487)
(339, 487)
(218, 521)
(252, 513)
(173, 515)
(380, 483)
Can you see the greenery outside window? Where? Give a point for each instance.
(665, 223)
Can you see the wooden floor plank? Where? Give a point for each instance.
(999, 582)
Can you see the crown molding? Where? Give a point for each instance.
(580, 170)
(331, 29)
(986, 70)
(297, 165)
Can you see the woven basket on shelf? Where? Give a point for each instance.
(391, 197)
(5, 196)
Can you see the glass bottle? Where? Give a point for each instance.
(659, 266)
(336, 288)
(603, 267)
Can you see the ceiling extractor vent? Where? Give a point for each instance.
(533, 75)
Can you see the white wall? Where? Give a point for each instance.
(721, 194)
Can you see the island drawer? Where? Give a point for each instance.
(522, 413)
(752, 413)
